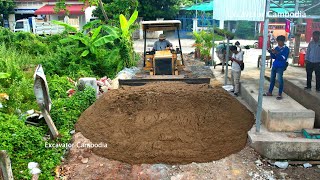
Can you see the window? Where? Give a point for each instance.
(19, 25)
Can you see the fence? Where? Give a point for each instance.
(203, 23)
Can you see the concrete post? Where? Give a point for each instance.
(227, 58)
(212, 54)
(12, 21)
(195, 25)
(297, 37)
(221, 24)
(227, 63)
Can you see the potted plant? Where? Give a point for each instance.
(206, 46)
(197, 44)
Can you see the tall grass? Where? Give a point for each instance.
(13, 60)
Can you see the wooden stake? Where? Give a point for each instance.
(5, 166)
(53, 130)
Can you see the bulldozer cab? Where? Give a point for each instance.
(163, 62)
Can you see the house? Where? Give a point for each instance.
(77, 14)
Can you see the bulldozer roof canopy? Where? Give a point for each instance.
(161, 25)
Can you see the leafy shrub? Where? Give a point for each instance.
(58, 86)
(19, 85)
(26, 144)
(21, 96)
(66, 62)
(6, 36)
(20, 54)
(30, 43)
(52, 41)
(65, 111)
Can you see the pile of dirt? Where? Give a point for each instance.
(167, 122)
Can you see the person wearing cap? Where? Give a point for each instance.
(313, 61)
(162, 43)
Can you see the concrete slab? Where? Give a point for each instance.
(284, 115)
(284, 146)
(278, 145)
(294, 86)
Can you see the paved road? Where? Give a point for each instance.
(185, 43)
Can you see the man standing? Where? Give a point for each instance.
(271, 39)
(313, 61)
(280, 54)
(162, 43)
(237, 60)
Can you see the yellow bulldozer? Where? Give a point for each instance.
(166, 61)
(162, 65)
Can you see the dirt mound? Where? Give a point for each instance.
(167, 123)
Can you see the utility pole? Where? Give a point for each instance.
(297, 36)
(197, 11)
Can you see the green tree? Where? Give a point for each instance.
(6, 8)
(190, 2)
(152, 9)
(114, 8)
(245, 30)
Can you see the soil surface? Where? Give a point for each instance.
(81, 163)
(167, 122)
(195, 68)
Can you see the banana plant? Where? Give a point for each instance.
(126, 24)
(126, 45)
(4, 75)
(92, 40)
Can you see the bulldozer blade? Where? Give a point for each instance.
(141, 82)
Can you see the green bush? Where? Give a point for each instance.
(58, 86)
(30, 43)
(25, 143)
(66, 62)
(65, 111)
(19, 85)
(20, 54)
(6, 36)
(21, 96)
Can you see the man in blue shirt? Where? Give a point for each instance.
(313, 61)
(280, 54)
(162, 43)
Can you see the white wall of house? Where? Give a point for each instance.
(77, 21)
(82, 21)
(28, 5)
(53, 17)
(88, 13)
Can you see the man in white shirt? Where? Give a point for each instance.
(237, 60)
(272, 39)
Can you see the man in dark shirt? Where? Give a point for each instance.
(313, 61)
